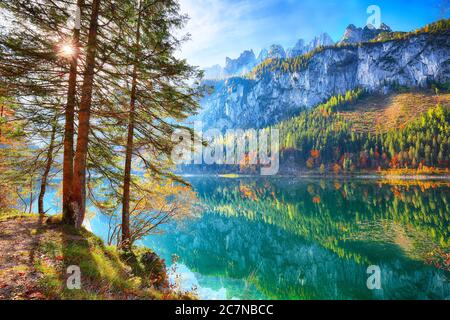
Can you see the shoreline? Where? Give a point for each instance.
(372, 176)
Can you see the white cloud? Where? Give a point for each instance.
(219, 28)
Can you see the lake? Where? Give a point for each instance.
(285, 238)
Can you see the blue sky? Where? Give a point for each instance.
(221, 28)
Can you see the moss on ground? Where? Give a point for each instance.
(106, 272)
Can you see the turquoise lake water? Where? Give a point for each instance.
(284, 238)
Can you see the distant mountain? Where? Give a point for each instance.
(214, 72)
(279, 88)
(322, 40)
(243, 64)
(263, 55)
(233, 67)
(354, 35)
(247, 60)
(301, 47)
(276, 52)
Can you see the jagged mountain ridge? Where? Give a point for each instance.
(247, 59)
(375, 66)
(242, 65)
(354, 35)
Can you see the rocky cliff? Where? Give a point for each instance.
(323, 40)
(267, 97)
(242, 65)
(247, 59)
(354, 35)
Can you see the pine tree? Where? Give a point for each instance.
(158, 90)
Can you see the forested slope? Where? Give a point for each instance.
(364, 131)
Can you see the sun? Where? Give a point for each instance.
(67, 50)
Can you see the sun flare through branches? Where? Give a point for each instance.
(66, 50)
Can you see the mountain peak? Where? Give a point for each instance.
(354, 35)
(385, 27)
(297, 50)
(245, 55)
(244, 63)
(321, 40)
(276, 51)
(262, 55)
(247, 59)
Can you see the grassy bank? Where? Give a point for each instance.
(35, 253)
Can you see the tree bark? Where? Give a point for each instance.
(1, 116)
(126, 234)
(48, 167)
(69, 129)
(31, 194)
(78, 197)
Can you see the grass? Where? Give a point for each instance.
(106, 272)
(381, 113)
(14, 214)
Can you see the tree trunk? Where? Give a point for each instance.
(78, 198)
(1, 116)
(31, 194)
(69, 130)
(48, 167)
(126, 234)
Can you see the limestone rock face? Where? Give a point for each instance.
(263, 55)
(243, 102)
(354, 35)
(322, 40)
(243, 64)
(233, 67)
(247, 59)
(276, 52)
(299, 49)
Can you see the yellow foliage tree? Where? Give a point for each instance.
(155, 202)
